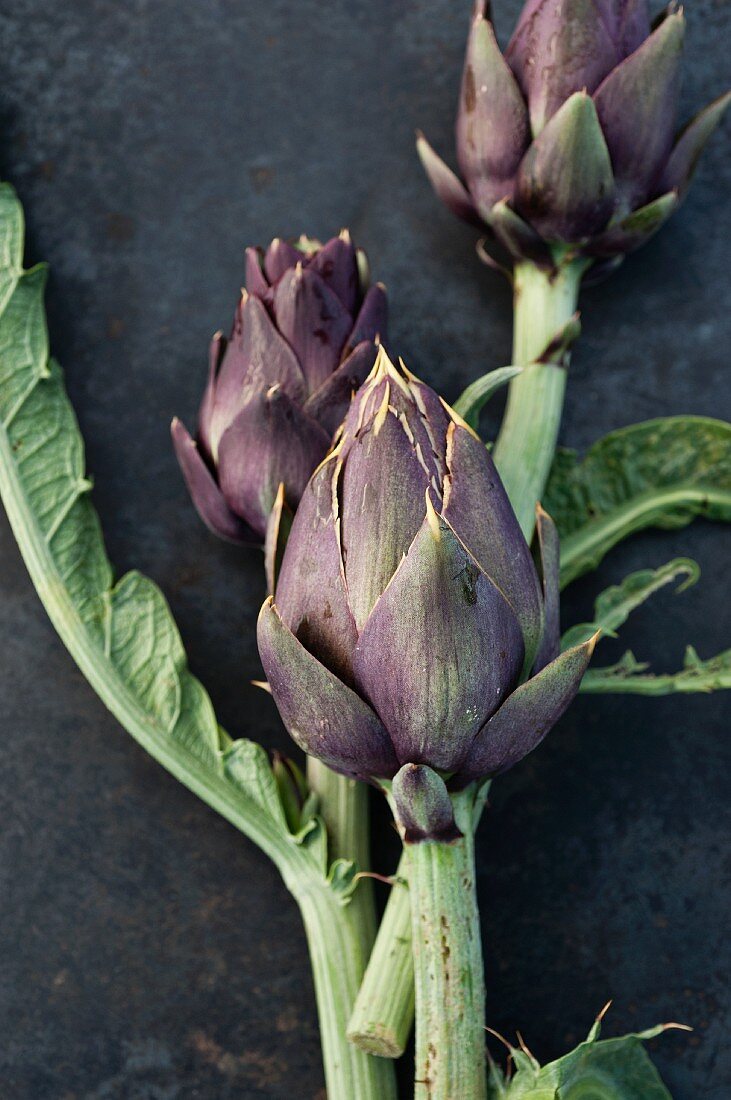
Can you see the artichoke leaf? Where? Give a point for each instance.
(614, 605)
(603, 1069)
(632, 677)
(659, 473)
(120, 633)
(471, 401)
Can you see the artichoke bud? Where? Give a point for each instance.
(304, 337)
(422, 806)
(408, 610)
(570, 133)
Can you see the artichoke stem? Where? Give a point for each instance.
(337, 960)
(345, 809)
(450, 988)
(384, 1008)
(543, 303)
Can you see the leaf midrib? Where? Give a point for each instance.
(215, 790)
(609, 527)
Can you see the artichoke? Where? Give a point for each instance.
(408, 610)
(304, 338)
(566, 142)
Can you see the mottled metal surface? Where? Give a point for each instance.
(148, 950)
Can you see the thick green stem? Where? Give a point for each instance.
(543, 303)
(384, 1008)
(449, 981)
(345, 809)
(334, 937)
(341, 943)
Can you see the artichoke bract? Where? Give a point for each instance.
(568, 138)
(304, 338)
(408, 610)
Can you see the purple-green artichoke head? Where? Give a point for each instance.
(567, 142)
(409, 624)
(304, 338)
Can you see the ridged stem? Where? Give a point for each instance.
(384, 1008)
(448, 967)
(543, 302)
(334, 938)
(340, 943)
(345, 809)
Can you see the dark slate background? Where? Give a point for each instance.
(148, 950)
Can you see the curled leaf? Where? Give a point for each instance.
(614, 606)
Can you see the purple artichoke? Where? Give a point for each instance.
(568, 138)
(408, 610)
(304, 337)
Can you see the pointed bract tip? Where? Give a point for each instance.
(432, 518)
(385, 368)
(604, 1011)
(263, 684)
(381, 366)
(181, 435)
(458, 420)
(690, 143)
(581, 101)
(674, 19)
(344, 235)
(411, 377)
(592, 643)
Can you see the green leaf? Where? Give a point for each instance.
(11, 242)
(661, 473)
(342, 878)
(614, 606)
(247, 765)
(121, 635)
(608, 1069)
(630, 676)
(470, 402)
